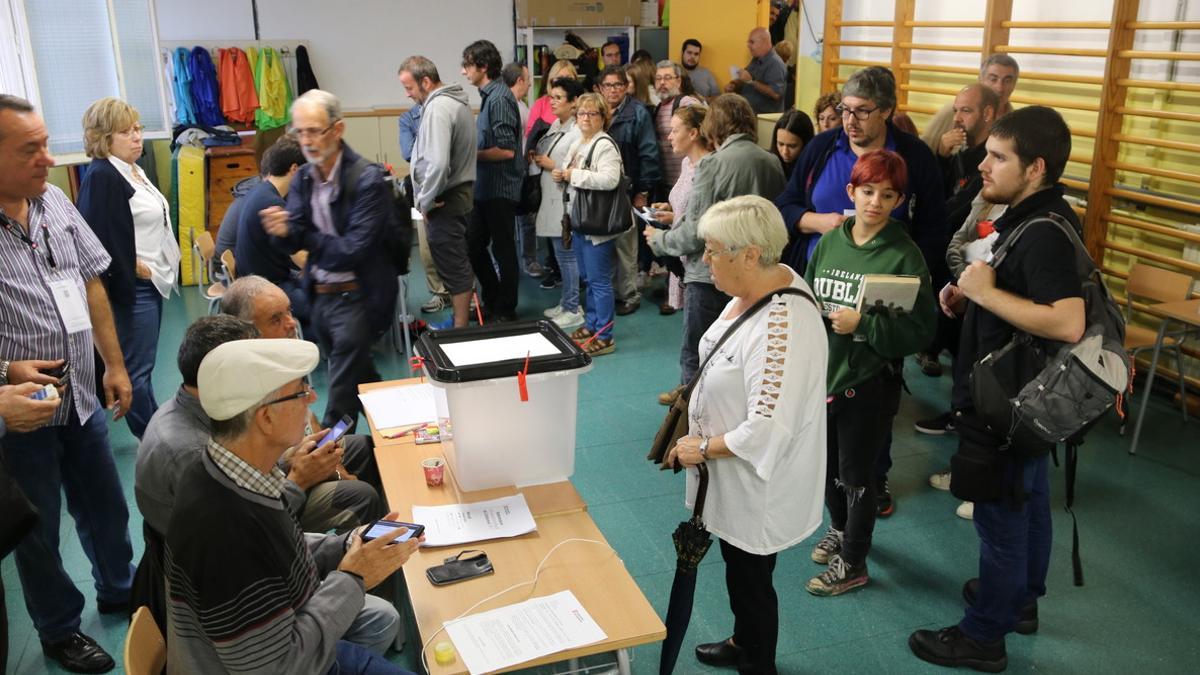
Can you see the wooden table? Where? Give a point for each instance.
(1186, 312)
(593, 572)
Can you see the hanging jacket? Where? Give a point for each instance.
(274, 94)
(205, 94)
(185, 110)
(305, 79)
(239, 99)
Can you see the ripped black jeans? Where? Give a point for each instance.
(859, 420)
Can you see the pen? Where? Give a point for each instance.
(404, 431)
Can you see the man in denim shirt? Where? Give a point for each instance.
(498, 175)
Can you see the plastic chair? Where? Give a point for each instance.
(145, 649)
(1152, 285)
(203, 248)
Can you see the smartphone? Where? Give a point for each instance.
(63, 373)
(335, 434)
(382, 527)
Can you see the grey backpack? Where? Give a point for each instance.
(1072, 385)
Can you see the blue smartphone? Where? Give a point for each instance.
(381, 527)
(335, 434)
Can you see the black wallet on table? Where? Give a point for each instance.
(457, 568)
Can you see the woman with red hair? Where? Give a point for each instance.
(866, 351)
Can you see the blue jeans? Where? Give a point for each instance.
(355, 660)
(702, 305)
(376, 625)
(569, 270)
(1014, 553)
(137, 329)
(76, 459)
(596, 263)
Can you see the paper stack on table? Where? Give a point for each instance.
(401, 406)
(464, 523)
(506, 636)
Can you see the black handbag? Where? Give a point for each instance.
(675, 425)
(601, 212)
(17, 514)
(531, 188)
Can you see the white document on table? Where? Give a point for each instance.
(504, 637)
(491, 350)
(402, 406)
(464, 523)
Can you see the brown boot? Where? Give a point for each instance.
(668, 397)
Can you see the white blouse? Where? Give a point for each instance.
(154, 241)
(765, 391)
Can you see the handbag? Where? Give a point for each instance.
(531, 187)
(675, 424)
(601, 212)
(17, 515)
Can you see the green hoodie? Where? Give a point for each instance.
(835, 272)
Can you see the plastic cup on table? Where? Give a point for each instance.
(435, 469)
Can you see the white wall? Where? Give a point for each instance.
(355, 46)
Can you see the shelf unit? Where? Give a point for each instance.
(553, 36)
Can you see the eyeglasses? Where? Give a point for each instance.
(303, 393)
(588, 113)
(301, 134)
(557, 97)
(710, 254)
(665, 78)
(613, 85)
(860, 114)
(135, 130)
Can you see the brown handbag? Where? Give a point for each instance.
(675, 425)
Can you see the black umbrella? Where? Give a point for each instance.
(691, 543)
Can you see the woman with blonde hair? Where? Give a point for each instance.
(131, 219)
(593, 162)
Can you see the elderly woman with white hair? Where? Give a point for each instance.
(757, 419)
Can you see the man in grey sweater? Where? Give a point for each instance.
(443, 176)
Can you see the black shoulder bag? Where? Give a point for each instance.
(601, 212)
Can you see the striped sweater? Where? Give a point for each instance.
(247, 592)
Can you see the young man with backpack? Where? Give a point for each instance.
(1034, 293)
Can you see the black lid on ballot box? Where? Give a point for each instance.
(498, 350)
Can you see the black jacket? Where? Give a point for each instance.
(104, 203)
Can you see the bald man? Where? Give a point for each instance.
(763, 81)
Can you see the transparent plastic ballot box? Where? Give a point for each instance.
(490, 436)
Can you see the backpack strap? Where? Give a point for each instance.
(754, 309)
(1072, 462)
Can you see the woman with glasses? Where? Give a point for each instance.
(815, 200)
(757, 421)
(597, 255)
(551, 154)
(131, 218)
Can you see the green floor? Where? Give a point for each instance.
(1140, 609)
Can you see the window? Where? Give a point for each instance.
(68, 53)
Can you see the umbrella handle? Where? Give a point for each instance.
(701, 490)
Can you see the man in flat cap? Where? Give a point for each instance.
(247, 591)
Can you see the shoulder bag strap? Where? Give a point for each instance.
(763, 302)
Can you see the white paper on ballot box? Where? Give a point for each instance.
(527, 630)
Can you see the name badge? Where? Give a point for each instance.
(72, 306)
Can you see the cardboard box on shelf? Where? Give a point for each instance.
(578, 13)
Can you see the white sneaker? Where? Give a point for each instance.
(569, 319)
(966, 510)
(435, 303)
(553, 312)
(940, 480)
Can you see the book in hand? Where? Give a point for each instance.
(891, 293)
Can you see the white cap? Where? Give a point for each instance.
(237, 375)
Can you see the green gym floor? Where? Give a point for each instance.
(1140, 609)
